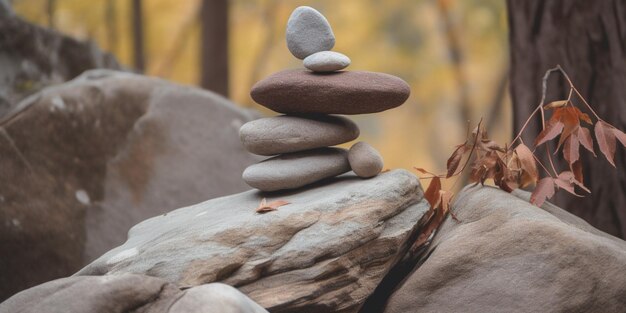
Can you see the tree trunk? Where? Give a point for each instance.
(214, 46)
(138, 42)
(588, 39)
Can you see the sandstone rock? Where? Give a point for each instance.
(326, 61)
(308, 32)
(344, 92)
(324, 252)
(506, 255)
(84, 161)
(364, 160)
(127, 293)
(294, 170)
(284, 134)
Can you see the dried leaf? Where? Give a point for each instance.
(543, 191)
(432, 192)
(527, 164)
(620, 136)
(571, 148)
(571, 122)
(555, 104)
(553, 129)
(566, 180)
(438, 216)
(577, 169)
(606, 140)
(265, 207)
(455, 160)
(584, 136)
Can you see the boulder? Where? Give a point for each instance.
(127, 293)
(506, 255)
(84, 161)
(301, 91)
(325, 251)
(33, 57)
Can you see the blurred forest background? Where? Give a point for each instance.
(453, 54)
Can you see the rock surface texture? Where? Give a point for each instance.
(308, 32)
(326, 251)
(127, 293)
(345, 92)
(84, 161)
(506, 255)
(33, 57)
(285, 134)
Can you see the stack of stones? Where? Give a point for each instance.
(302, 137)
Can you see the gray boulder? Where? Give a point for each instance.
(506, 255)
(33, 57)
(326, 251)
(127, 293)
(84, 161)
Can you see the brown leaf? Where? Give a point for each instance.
(543, 191)
(577, 169)
(571, 148)
(435, 219)
(571, 122)
(528, 165)
(455, 159)
(606, 140)
(620, 136)
(265, 207)
(583, 116)
(553, 129)
(555, 104)
(566, 180)
(432, 192)
(584, 136)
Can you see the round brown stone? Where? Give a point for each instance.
(344, 92)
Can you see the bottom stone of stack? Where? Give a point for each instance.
(294, 170)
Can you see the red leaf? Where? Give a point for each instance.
(577, 169)
(606, 140)
(583, 116)
(570, 119)
(265, 207)
(543, 191)
(620, 136)
(571, 148)
(584, 136)
(553, 129)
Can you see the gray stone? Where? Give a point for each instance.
(365, 161)
(127, 293)
(326, 61)
(33, 57)
(326, 251)
(308, 32)
(84, 161)
(506, 255)
(294, 170)
(284, 134)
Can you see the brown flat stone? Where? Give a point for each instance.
(345, 92)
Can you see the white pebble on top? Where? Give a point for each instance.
(326, 61)
(308, 32)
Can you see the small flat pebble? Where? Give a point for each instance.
(285, 134)
(308, 32)
(326, 61)
(294, 170)
(364, 160)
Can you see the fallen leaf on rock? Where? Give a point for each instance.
(265, 207)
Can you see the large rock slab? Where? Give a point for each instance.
(344, 92)
(84, 161)
(326, 251)
(127, 293)
(506, 255)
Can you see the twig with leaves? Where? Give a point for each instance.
(515, 165)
